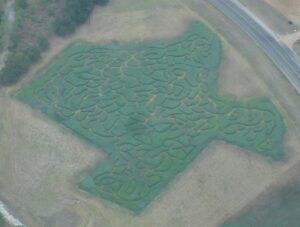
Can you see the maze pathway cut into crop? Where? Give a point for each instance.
(152, 107)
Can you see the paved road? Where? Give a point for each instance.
(283, 57)
(13, 221)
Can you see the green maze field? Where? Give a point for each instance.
(152, 107)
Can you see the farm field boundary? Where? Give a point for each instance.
(152, 107)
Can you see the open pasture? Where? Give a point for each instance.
(152, 107)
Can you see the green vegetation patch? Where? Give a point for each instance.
(73, 14)
(152, 107)
(2, 222)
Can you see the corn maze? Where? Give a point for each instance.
(152, 107)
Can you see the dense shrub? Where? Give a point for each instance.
(1, 15)
(43, 43)
(15, 66)
(22, 4)
(74, 13)
(33, 53)
(63, 26)
(101, 2)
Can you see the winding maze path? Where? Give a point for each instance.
(152, 107)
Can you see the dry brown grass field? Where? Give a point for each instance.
(288, 7)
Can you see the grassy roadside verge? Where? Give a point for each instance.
(296, 47)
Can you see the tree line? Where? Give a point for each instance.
(73, 14)
(18, 63)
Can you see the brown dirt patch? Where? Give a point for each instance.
(287, 7)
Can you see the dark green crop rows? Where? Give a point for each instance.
(152, 107)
